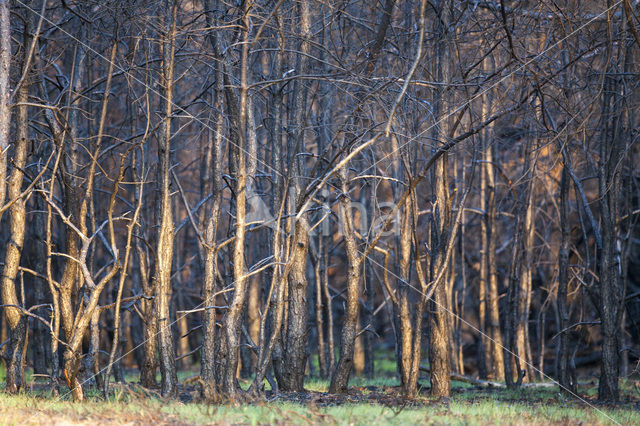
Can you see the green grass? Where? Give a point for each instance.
(467, 406)
(30, 409)
(371, 402)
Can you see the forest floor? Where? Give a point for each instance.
(368, 402)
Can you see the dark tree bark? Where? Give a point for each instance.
(563, 373)
(610, 288)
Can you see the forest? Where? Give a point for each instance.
(226, 201)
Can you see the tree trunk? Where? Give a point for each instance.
(369, 322)
(440, 344)
(440, 229)
(238, 115)
(164, 250)
(290, 374)
(524, 293)
(463, 283)
(563, 373)
(610, 288)
(90, 360)
(322, 356)
(17, 226)
(208, 365)
(340, 377)
(484, 344)
(295, 342)
(406, 294)
(208, 369)
(492, 267)
(147, 308)
(5, 109)
(234, 314)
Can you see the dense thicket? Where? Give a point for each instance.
(278, 189)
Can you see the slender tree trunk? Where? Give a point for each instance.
(275, 308)
(610, 295)
(563, 373)
(72, 183)
(511, 356)
(294, 360)
(610, 288)
(520, 257)
(410, 387)
(463, 283)
(234, 314)
(440, 344)
(369, 321)
(524, 294)
(209, 349)
(209, 370)
(277, 296)
(5, 109)
(440, 230)
(295, 350)
(340, 377)
(15, 352)
(405, 294)
(322, 356)
(324, 235)
(270, 351)
(147, 307)
(233, 321)
(117, 329)
(252, 311)
(42, 357)
(484, 344)
(90, 360)
(164, 250)
(493, 309)
(450, 293)
(331, 351)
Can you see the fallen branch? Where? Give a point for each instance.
(467, 379)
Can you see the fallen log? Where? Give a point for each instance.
(490, 384)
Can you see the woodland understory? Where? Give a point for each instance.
(265, 192)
